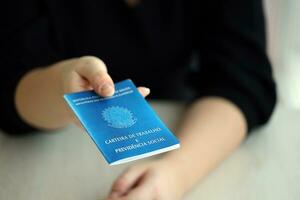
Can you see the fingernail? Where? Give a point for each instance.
(107, 89)
(147, 90)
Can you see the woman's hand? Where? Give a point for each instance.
(153, 180)
(211, 128)
(39, 94)
(88, 73)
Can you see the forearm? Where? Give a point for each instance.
(37, 100)
(39, 94)
(212, 128)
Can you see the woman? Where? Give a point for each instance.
(54, 47)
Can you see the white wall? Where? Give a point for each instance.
(283, 18)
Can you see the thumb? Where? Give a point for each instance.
(95, 72)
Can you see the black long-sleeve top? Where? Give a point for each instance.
(152, 43)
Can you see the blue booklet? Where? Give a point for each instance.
(123, 126)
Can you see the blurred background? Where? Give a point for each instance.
(284, 48)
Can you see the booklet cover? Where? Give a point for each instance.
(124, 126)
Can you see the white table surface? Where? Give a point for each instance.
(66, 164)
